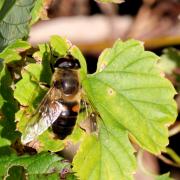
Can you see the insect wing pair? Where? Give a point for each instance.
(49, 110)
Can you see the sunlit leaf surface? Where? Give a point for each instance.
(131, 98)
(108, 156)
(129, 87)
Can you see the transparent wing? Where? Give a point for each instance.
(47, 112)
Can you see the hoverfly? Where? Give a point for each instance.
(60, 106)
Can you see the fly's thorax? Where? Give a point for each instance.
(67, 80)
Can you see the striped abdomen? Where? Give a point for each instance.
(65, 123)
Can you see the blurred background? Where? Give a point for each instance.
(94, 26)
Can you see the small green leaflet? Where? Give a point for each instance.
(131, 98)
(32, 76)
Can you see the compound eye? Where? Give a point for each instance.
(69, 86)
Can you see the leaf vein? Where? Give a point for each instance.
(115, 160)
(136, 60)
(130, 72)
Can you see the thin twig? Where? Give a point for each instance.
(175, 130)
(168, 161)
(173, 155)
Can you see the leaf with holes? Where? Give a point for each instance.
(32, 167)
(33, 75)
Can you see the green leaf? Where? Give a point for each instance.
(8, 108)
(108, 156)
(1, 3)
(128, 87)
(29, 85)
(165, 176)
(11, 53)
(16, 172)
(32, 75)
(48, 143)
(75, 51)
(36, 11)
(111, 1)
(14, 21)
(60, 45)
(40, 165)
(6, 7)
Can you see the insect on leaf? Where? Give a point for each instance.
(32, 77)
